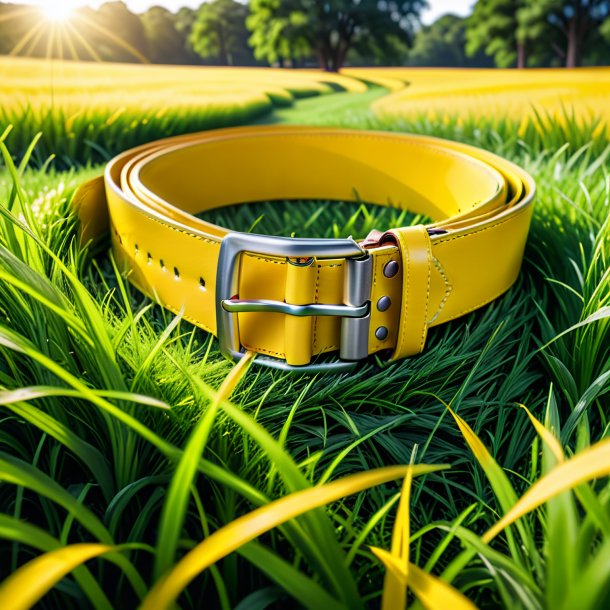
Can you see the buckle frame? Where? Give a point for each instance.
(355, 312)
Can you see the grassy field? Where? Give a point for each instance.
(522, 96)
(89, 112)
(123, 462)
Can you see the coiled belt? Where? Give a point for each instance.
(292, 299)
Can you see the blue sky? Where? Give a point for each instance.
(437, 7)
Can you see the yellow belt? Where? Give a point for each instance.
(292, 299)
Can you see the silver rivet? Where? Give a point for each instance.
(390, 269)
(381, 333)
(383, 304)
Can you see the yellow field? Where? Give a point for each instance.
(91, 111)
(435, 93)
(75, 84)
(493, 94)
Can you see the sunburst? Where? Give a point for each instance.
(57, 12)
(61, 28)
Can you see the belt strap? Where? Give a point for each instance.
(293, 299)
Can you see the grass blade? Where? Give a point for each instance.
(549, 440)
(31, 582)
(394, 594)
(499, 481)
(432, 592)
(17, 472)
(247, 528)
(589, 464)
(435, 593)
(173, 515)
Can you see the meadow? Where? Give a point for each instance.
(140, 467)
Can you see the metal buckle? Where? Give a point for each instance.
(354, 312)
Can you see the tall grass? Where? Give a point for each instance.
(127, 468)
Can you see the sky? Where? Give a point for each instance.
(437, 7)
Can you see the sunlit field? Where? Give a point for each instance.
(90, 111)
(129, 448)
(522, 96)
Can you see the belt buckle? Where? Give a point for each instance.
(354, 312)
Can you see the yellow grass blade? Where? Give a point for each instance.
(394, 588)
(394, 566)
(400, 538)
(436, 594)
(432, 592)
(589, 464)
(28, 584)
(177, 497)
(479, 450)
(250, 526)
(234, 377)
(501, 485)
(549, 440)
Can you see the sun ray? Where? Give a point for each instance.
(112, 36)
(84, 42)
(61, 33)
(70, 43)
(32, 45)
(51, 41)
(23, 41)
(17, 13)
(60, 40)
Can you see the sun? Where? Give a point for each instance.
(58, 12)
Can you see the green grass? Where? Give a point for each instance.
(339, 106)
(88, 449)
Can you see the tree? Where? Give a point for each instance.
(574, 23)
(443, 43)
(277, 39)
(219, 32)
(604, 30)
(492, 28)
(114, 32)
(329, 29)
(166, 43)
(184, 21)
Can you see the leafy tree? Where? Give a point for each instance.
(114, 32)
(277, 38)
(185, 19)
(492, 28)
(166, 43)
(443, 43)
(574, 23)
(219, 32)
(604, 30)
(329, 29)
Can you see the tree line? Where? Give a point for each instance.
(327, 33)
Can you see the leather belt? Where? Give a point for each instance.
(291, 299)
